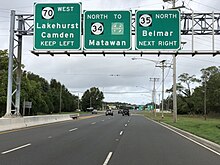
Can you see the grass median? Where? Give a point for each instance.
(208, 129)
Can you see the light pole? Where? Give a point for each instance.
(163, 66)
(174, 76)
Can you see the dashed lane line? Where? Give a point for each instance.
(15, 149)
(74, 129)
(108, 158)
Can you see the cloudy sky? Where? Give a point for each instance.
(120, 78)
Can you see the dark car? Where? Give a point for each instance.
(119, 111)
(109, 112)
(125, 112)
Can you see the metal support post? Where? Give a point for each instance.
(192, 31)
(174, 84)
(213, 32)
(174, 91)
(19, 72)
(10, 65)
(162, 86)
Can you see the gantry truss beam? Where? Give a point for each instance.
(200, 23)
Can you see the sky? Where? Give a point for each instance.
(120, 78)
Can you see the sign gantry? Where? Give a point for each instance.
(46, 14)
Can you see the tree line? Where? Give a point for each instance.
(45, 96)
(204, 97)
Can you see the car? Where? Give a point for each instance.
(119, 111)
(125, 112)
(109, 112)
(94, 111)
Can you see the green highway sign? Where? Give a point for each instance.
(107, 30)
(158, 30)
(57, 26)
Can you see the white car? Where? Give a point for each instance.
(94, 111)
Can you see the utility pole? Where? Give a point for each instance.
(162, 66)
(174, 76)
(78, 101)
(205, 100)
(154, 93)
(174, 84)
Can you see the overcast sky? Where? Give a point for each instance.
(120, 78)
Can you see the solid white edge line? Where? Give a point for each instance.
(108, 158)
(93, 123)
(17, 148)
(121, 132)
(73, 129)
(200, 144)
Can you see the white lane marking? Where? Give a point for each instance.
(108, 158)
(200, 144)
(49, 137)
(126, 125)
(71, 130)
(17, 148)
(121, 133)
(103, 120)
(93, 123)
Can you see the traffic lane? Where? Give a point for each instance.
(85, 146)
(146, 142)
(42, 132)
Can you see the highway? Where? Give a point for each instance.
(102, 140)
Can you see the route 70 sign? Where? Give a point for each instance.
(57, 26)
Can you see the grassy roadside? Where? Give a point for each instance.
(208, 129)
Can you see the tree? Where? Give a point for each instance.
(92, 98)
(186, 81)
(3, 80)
(212, 79)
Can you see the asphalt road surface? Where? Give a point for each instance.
(102, 140)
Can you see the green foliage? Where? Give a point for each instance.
(92, 98)
(192, 101)
(45, 97)
(3, 80)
